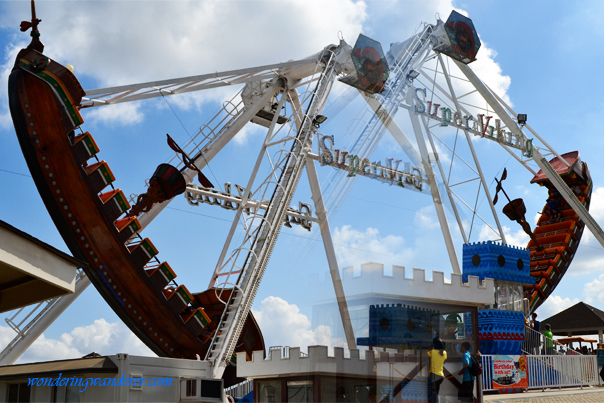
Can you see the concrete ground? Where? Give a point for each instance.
(574, 395)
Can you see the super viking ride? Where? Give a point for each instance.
(95, 219)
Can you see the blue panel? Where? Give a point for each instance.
(401, 324)
(500, 262)
(500, 347)
(500, 332)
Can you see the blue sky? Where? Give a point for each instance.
(541, 55)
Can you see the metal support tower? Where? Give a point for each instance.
(42, 315)
(265, 235)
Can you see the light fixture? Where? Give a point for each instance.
(318, 120)
(412, 75)
(522, 119)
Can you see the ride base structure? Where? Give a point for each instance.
(101, 228)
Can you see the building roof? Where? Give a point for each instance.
(65, 367)
(42, 244)
(576, 339)
(579, 319)
(31, 270)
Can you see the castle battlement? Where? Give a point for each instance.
(317, 361)
(374, 280)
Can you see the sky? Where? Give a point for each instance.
(538, 56)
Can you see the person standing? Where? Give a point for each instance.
(466, 391)
(438, 355)
(549, 340)
(534, 322)
(535, 340)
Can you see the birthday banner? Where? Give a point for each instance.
(510, 372)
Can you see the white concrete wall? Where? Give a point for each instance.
(128, 366)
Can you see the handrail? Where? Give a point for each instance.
(534, 344)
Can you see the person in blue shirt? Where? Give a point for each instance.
(466, 391)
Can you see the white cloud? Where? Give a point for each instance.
(353, 246)
(489, 72)
(553, 305)
(590, 255)
(115, 43)
(10, 53)
(594, 291)
(100, 336)
(242, 138)
(282, 324)
(516, 238)
(426, 218)
(596, 206)
(112, 115)
(127, 42)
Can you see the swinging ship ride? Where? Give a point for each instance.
(96, 221)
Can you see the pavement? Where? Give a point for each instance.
(566, 395)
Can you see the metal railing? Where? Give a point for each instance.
(535, 343)
(241, 389)
(285, 351)
(551, 371)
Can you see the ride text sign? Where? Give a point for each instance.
(411, 177)
(479, 125)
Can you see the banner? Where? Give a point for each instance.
(510, 372)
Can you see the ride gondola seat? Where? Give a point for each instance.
(115, 203)
(178, 299)
(99, 176)
(142, 252)
(196, 320)
(561, 243)
(562, 227)
(84, 147)
(127, 227)
(161, 275)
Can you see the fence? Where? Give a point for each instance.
(241, 389)
(551, 371)
(535, 344)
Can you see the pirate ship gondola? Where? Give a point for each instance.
(94, 218)
(558, 235)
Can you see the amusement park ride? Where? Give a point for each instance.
(101, 228)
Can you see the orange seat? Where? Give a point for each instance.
(115, 203)
(179, 298)
(161, 275)
(196, 320)
(84, 147)
(142, 252)
(99, 176)
(127, 227)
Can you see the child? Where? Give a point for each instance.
(466, 391)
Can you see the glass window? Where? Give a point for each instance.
(18, 393)
(508, 296)
(299, 391)
(347, 391)
(72, 394)
(269, 392)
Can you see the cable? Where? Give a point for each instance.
(15, 173)
(191, 137)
